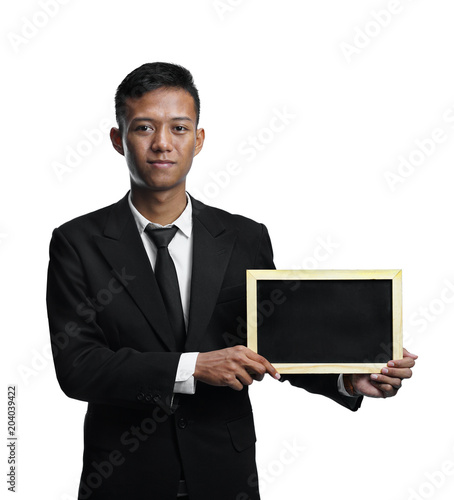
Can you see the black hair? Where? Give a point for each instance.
(153, 76)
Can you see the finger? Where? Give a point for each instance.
(269, 368)
(243, 358)
(408, 360)
(397, 372)
(383, 379)
(258, 371)
(387, 390)
(363, 386)
(402, 363)
(409, 354)
(244, 377)
(235, 384)
(256, 377)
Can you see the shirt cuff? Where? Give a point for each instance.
(184, 380)
(341, 387)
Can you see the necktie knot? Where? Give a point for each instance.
(161, 237)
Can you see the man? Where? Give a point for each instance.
(138, 324)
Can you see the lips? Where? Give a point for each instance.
(161, 163)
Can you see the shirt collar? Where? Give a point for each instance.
(184, 221)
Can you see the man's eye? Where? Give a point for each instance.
(143, 128)
(180, 128)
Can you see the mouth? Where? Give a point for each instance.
(161, 163)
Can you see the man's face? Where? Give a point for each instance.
(159, 138)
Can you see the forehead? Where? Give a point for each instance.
(161, 104)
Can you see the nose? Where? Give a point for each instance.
(162, 140)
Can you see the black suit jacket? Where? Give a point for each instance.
(113, 347)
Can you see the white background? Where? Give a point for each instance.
(362, 86)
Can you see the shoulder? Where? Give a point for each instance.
(226, 219)
(252, 238)
(87, 224)
(95, 222)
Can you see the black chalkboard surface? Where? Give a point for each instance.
(325, 321)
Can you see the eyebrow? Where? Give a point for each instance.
(175, 118)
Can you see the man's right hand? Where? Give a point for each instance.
(233, 367)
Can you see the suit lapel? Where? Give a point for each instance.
(212, 248)
(123, 249)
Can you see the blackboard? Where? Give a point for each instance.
(333, 321)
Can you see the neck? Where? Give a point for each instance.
(161, 207)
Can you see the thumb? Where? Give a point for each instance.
(409, 354)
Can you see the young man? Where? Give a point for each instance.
(140, 297)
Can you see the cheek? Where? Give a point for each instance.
(133, 162)
(187, 151)
(129, 155)
(135, 151)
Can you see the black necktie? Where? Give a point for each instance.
(167, 279)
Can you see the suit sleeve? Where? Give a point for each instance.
(87, 368)
(323, 384)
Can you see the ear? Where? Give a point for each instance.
(199, 140)
(117, 141)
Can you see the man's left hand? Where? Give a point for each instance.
(388, 382)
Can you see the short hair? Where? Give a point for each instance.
(153, 76)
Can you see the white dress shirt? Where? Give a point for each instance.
(180, 249)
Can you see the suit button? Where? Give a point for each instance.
(148, 398)
(156, 398)
(140, 396)
(182, 423)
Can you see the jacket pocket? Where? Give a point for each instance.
(242, 432)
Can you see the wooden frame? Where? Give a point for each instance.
(372, 299)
